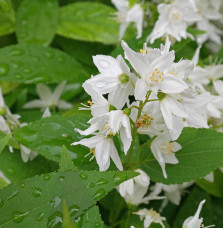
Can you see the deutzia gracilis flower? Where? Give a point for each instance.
(110, 124)
(134, 190)
(164, 151)
(102, 147)
(115, 79)
(195, 221)
(153, 67)
(209, 11)
(174, 19)
(149, 217)
(127, 14)
(49, 99)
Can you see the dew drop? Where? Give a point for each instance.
(90, 185)
(49, 54)
(16, 52)
(119, 178)
(22, 185)
(99, 194)
(61, 59)
(55, 202)
(74, 209)
(18, 76)
(61, 178)
(11, 171)
(96, 225)
(40, 217)
(1, 203)
(46, 177)
(104, 64)
(14, 193)
(83, 176)
(18, 216)
(101, 181)
(55, 220)
(37, 192)
(27, 70)
(4, 69)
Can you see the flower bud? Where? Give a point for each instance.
(124, 78)
(2, 111)
(127, 111)
(161, 95)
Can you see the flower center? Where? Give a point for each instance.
(154, 214)
(167, 148)
(92, 150)
(155, 77)
(124, 78)
(144, 121)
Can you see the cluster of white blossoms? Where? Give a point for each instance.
(159, 99)
(151, 216)
(174, 19)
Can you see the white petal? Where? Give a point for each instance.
(58, 92)
(36, 104)
(141, 89)
(44, 92)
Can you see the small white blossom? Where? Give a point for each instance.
(149, 217)
(195, 221)
(103, 148)
(174, 19)
(164, 151)
(48, 98)
(127, 14)
(115, 79)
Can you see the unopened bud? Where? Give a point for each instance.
(124, 78)
(161, 95)
(127, 111)
(2, 111)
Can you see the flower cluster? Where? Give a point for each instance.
(159, 99)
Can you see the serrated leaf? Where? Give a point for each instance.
(37, 21)
(190, 206)
(83, 21)
(42, 197)
(3, 140)
(66, 162)
(15, 169)
(66, 217)
(7, 19)
(91, 218)
(46, 136)
(202, 152)
(31, 64)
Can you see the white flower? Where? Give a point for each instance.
(209, 11)
(115, 79)
(134, 190)
(150, 216)
(154, 69)
(127, 15)
(172, 192)
(195, 221)
(102, 148)
(27, 154)
(110, 124)
(174, 19)
(164, 151)
(48, 98)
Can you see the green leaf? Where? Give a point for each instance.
(190, 206)
(38, 200)
(5, 5)
(215, 188)
(66, 162)
(3, 140)
(66, 217)
(7, 19)
(202, 152)
(46, 136)
(32, 64)
(37, 21)
(92, 218)
(88, 21)
(15, 169)
(218, 211)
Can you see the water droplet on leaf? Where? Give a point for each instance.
(18, 216)
(4, 69)
(40, 216)
(99, 194)
(83, 176)
(16, 52)
(101, 181)
(55, 220)
(61, 178)
(37, 192)
(119, 178)
(55, 202)
(74, 209)
(46, 177)
(14, 193)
